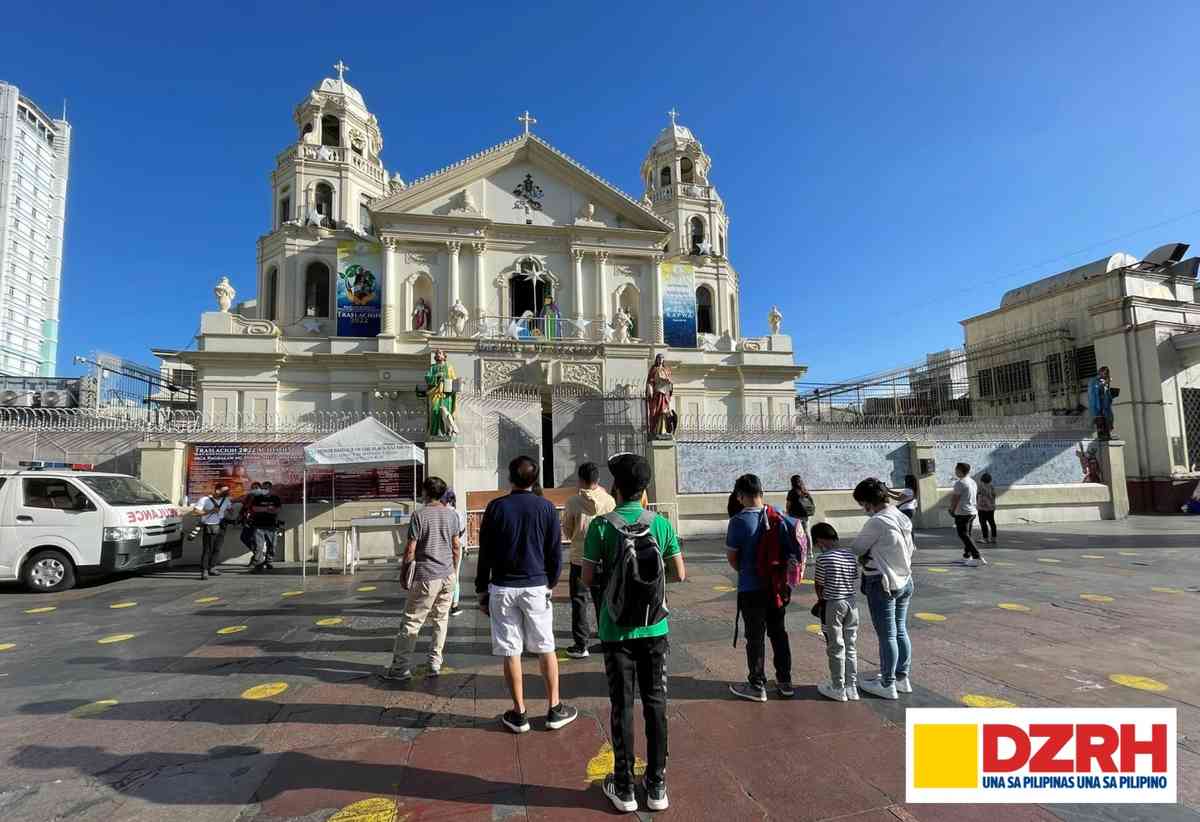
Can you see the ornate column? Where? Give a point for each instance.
(391, 289)
(481, 300)
(453, 246)
(577, 291)
(656, 294)
(602, 284)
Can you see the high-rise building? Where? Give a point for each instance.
(35, 151)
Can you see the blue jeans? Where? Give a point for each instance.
(889, 614)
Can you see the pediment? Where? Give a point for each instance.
(522, 182)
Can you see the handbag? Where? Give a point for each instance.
(818, 610)
(408, 574)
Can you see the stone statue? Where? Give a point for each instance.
(469, 201)
(621, 324)
(659, 389)
(775, 319)
(588, 213)
(646, 201)
(441, 395)
(459, 316)
(224, 293)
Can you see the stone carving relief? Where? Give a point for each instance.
(254, 328)
(496, 373)
(582, 373)
(421, 258)
(630, 271)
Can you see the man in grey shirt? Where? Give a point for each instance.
(434, 546)
(964, 510)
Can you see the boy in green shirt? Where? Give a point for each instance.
(634, 657)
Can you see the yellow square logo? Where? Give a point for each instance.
(945, 756)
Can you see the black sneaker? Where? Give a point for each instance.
(577, 652)
(656, 796)
(515, 722)
(623, 800)
(456, 611)
(745, 690)
(268, 566)
(785, 689)
(213, 572)
(561, 716)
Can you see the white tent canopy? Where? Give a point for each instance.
(367, 443)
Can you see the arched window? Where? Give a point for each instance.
(665, 177)
(323, 202)
(331, 131)
(704, 311)
(686, 174)
(721, 237)
(316, 290)
(525, 293)
(733, 317)
(697, 234)
(271, 294)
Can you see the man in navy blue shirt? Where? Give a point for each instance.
(520, 557)
(759, 614)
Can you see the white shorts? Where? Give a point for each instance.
(522, 619)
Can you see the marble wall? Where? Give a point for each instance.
(711, 467)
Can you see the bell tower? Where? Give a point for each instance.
(333, 170)
(675, 175)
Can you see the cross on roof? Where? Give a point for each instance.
(527, 120)
(341, 68)
(672, 114)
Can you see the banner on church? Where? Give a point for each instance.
(359, 289)
(678, 286)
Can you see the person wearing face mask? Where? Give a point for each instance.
(885, 547)
(213, 510)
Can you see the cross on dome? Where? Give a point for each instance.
(526, 120)
(341, 68)
(672, 114)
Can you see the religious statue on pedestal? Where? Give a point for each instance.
(549, 318)
(224, 293)
(621, 324)
(422, 316)
(441, 395)
(775, 319)
(458, 318)
(659, 389)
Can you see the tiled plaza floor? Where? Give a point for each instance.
(253, 697)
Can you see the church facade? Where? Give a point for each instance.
(550, 290)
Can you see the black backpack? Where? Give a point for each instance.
(636, 594)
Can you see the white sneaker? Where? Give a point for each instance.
(971, 563)
(852, 692)
(829, 692)
(903, 685)
(875, 688)
(983, 561)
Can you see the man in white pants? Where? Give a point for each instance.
(520, 558)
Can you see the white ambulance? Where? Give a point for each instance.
(57, 524)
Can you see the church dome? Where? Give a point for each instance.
(672, 136)
(334, 85)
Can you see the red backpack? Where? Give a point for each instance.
(772, 556)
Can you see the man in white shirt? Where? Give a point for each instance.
(213, 511)
(964, 509)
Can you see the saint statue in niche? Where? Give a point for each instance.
(659, 389)
(441, 394)
(422, 316)
(550, 318)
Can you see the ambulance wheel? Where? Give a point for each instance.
(47, 571)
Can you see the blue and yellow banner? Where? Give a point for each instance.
(359, 289)
(678, 281)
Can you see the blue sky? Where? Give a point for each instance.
(889, 169)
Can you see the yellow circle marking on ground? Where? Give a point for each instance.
(1091, 556)
(366, 588)
(601, 765)
(939, 570)
(1142, 683)
(7, 646)
(985, 701)
(1048, 559)
(1128, 553)
(291, 593)
(806, 582)
(327, 621)
(1160, 589)
(232, 629)
(1096, 597)
(1014, 606)
(813, 628)
(925, 616)
(93, 708)
(723, 589)
(43, 610)
(109, 640)
(265, 691)
(1002, 562)
(375, 809)
(116, 606)
(207, 600)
